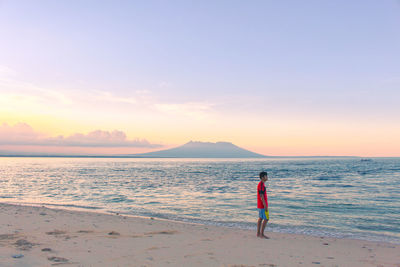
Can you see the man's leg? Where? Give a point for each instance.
(264, 223)
(259, 226)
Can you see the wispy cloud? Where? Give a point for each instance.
(7, 72)
(12, 87)
(109, 97)
(20, 95)
(192, 109)
(24, 134)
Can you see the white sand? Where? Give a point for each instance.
(83, 239)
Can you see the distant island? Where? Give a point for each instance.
(202, 150)
(189, 150)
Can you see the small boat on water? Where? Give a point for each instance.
(366, 159)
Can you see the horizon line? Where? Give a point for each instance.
(166, 157)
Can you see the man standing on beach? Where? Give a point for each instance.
(262, 205)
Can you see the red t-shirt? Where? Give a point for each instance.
(261, 190)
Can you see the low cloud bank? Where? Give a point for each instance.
(24, 134)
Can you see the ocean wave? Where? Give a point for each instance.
(328, 177)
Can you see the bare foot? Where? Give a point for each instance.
(264, 236)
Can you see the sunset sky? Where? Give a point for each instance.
(275, 77)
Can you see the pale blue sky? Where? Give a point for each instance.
(301, 59)
(217, 47)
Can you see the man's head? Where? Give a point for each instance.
(263, 176)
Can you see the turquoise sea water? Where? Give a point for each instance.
(337, 197)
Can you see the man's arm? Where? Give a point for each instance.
(263, 201)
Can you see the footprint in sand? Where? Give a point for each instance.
(58, 259)
(189, 256)
(56, 232)
(113, 233)
(67, 237)
(136, 236)
(23, 244)
(85, 231)
(242, 265)
(165, 232)
(8, 236)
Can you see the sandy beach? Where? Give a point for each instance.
(41, 236)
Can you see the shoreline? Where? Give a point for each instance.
(100, 210)
(51, 236)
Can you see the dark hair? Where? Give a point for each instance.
(262, 174)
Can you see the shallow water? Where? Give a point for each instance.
(338, 197)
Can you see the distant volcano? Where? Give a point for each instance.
(203, 150)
